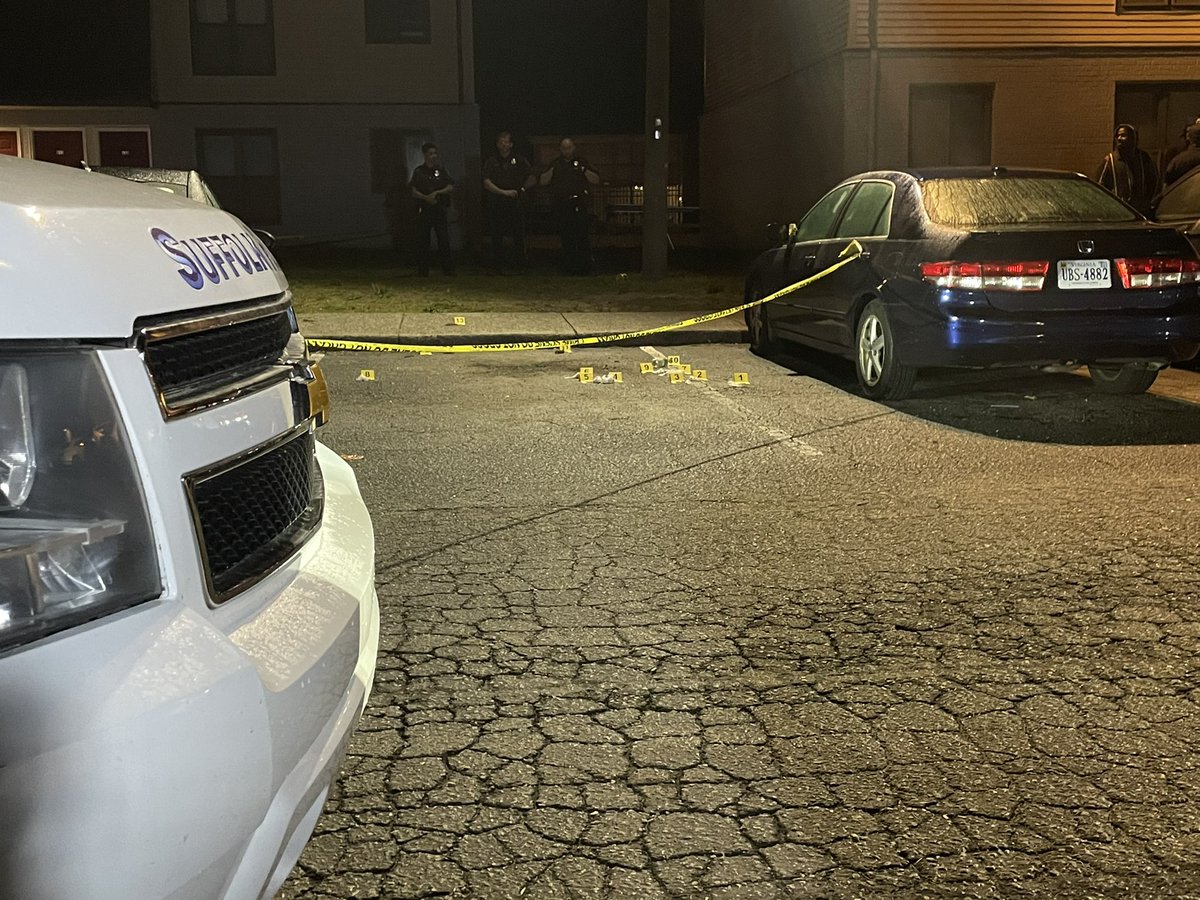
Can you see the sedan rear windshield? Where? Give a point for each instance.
(969, 203)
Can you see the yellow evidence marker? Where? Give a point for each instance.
(460, 320)
(678, 378)
(646, 368)
(700, 374)
(740, 378)
(586, 375)
(673, 361)
(617, 377)
(366, 375)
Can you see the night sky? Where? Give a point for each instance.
(542, 66)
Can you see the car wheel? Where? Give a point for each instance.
(880, 375)
(762, 339)
(1127, 379)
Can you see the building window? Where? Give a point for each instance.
(242, 167)
(1141, 6)
(950, 125)
(233, 37)
(1160, 113)
(397, 21)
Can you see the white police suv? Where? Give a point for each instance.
(188, 619)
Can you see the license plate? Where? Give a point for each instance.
(1084, 274)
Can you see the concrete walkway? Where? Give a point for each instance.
(506, 327)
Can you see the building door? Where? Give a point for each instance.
(62, 147)
(8, 144)
(1159, 112)
(950, 125)
(125, 148)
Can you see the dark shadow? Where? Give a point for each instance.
(1021, 404)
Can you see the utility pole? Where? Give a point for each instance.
(658, 83)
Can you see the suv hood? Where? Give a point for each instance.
(83, 255)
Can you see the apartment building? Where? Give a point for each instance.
(800, 94)
(300, 114)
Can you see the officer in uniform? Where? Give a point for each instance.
(431, 187)
(506, 175)
(570, 180)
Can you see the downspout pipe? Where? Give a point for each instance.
(873, 84)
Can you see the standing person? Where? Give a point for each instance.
(570, 179)
(1187, 158)
(506, 175)
(1128, 171)
(431, 187)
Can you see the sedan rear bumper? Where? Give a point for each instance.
(991, 342)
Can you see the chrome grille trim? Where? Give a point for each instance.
(230, 378)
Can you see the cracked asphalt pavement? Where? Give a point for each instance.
(699, 640)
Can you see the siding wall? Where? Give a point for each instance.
(321, 56)
(1049, 112)
(1019, 23)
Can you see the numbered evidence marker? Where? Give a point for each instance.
(740, 378)
(685, 368)
(646, 368)
(700, 374)
(586, 375)
(366, 375)
(617, 377)
(678, 378)
(673, 362)
(460, 320)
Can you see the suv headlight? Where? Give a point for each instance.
(75, 538)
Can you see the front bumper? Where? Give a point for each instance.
(152, 754)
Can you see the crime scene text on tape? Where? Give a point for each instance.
(852, 252)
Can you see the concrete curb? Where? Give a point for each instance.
(675, 338)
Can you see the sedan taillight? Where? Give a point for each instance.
(986, 276)
(1157, 272)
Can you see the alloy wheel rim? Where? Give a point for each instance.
(871, 348)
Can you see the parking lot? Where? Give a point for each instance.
(758, 640)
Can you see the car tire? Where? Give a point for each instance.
(762, 338)
(1127, 379)
(880, 375)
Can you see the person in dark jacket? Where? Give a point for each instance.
(1128, 171)
(570, 180)
(1187, 158)
(505, 178)
(431, 187)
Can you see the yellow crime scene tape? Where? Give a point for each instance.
(852, 252)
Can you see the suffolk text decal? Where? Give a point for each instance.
(214, 258)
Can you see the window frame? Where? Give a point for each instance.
(221, 184)
(1157, 7)
(423, 35)
(202, 34)
(945, 92)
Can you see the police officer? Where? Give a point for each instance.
(431, 187)
(570, 180)
(506, 175)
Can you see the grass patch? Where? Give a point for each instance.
(374, 282)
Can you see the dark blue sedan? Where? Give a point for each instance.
(981, 268)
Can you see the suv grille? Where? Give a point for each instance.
(254, 512)
(201, 360)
